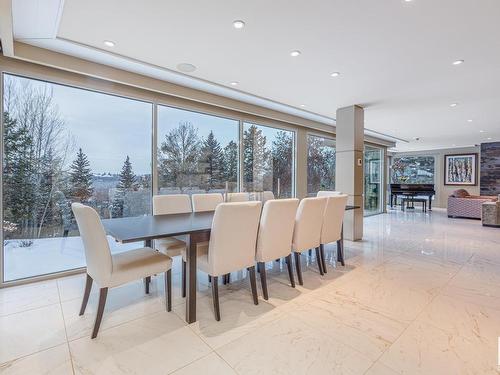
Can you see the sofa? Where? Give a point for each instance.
(463, 205)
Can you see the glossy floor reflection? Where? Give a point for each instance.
(419, 295)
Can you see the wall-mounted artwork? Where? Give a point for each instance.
(490, 168)
(460, 169)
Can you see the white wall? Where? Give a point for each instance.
(442, 190)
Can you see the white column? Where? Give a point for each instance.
(349, 166)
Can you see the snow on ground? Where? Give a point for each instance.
(48, 255)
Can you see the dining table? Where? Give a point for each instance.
(196, 226)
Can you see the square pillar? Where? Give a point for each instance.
(349, 166)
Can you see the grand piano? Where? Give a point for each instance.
(412, 190)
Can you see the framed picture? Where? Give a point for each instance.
(374, 169)
(460, 169)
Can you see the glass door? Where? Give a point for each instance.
(373, 180)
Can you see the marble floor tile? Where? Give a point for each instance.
(157, 344)
(379, 368)
(212, 364)
(53, 361)
(289, 346)
(27, 297)
(31, 331)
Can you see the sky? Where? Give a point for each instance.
(108, 128)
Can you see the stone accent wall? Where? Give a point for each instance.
(490, 168)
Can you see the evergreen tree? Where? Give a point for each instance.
(282, 161)
(255, 158)
(179, 155)
(18, 183)
(211, 163)
(230, 168)
(127, 182)
(81, 178)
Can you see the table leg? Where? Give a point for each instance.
(430, 203)
(147, 280)
(340, 251)
(191, 278)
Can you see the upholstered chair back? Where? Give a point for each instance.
(238, 197)
(276, 229)
(308, 222)
(327, 193)
(332, 221)
(206, 202)
(267, 195)
(233, 237)
(95, 243)
(171, 204)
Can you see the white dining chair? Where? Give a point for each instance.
(206, 202)
(331, 230)
(231, 246)
(307, 231)
(327, 193)
(238, 197)
(111, 270)
(274, 241)
(267, 195)
(169, 205)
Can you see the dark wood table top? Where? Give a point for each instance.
(149, 227)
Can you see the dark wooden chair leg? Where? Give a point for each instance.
(224, 279)
(290, 270)
(297, 267)
(253, 284)
(319, 261)
(168, 289)
(340, 252)
(310, 253)
(183, 276)
(228, 278)
(86, 294)
(103, 293)
(261, 266)
(209, 278)
(147, 281)
(215, 297)
(323, 259)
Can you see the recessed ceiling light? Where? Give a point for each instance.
(234, 83)
(186, 67)
(238, 24)
(481, 131)
(489, 138)
(295, 53)
(109, 43)
(335, 74)
(453, 105)
(302, 105)
(469, 120)
(408, 1)
(458, 62)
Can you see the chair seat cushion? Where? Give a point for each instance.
(137, 264)
(170, 246)
(201, 249)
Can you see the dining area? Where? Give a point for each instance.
(217, 234)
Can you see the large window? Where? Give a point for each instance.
(197, 153)
(320, 164)
(268, 160)
(373, 180)
(412, 170)
(62, 145)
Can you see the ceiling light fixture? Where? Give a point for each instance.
(452, 105)
(458, 62)
(234, 83)
(186, 67)
(335, 74)
(302, 105)
(469, 120)
(109, 43)
(238, 24)
(489, 138)
(481, 131)
(295, 53)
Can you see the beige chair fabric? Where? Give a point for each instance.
(232, 240)
(331, 229)
(206, 202)
(308, 223)
(267, 195)
(276, 229)
(112, 270)
(238, 197)
(169, 205)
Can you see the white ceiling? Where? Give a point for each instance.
(395, 57)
